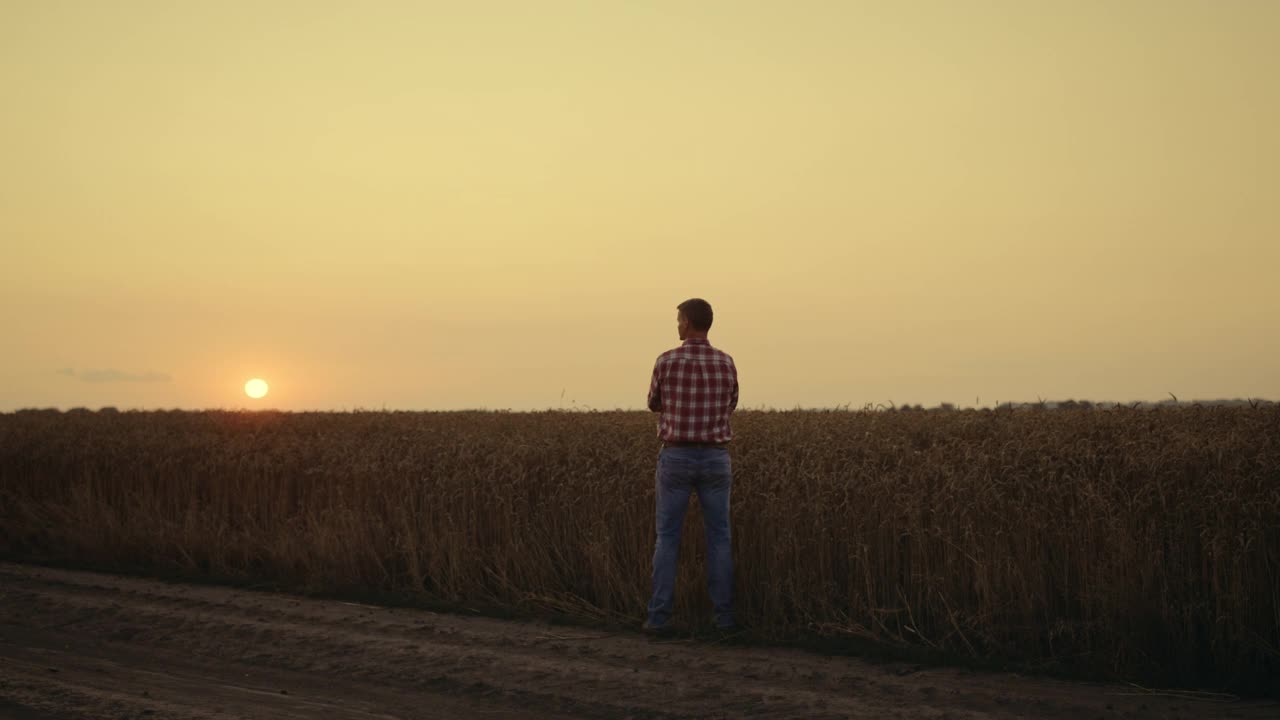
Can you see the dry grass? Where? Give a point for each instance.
(1144, 543)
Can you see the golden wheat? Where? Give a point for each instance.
(1139, 542)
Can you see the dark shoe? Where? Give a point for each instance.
(727, 627)
(731, 634)
(725, 631)
(649, 628)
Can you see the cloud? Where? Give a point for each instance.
(110, 376)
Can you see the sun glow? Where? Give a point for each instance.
(255, 388)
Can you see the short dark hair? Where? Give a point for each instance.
(698, 312)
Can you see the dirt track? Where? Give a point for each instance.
(86, 645)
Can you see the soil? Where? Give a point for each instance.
(87, 645)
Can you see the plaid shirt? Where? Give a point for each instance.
(695, 389)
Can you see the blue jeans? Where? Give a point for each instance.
(682, 471)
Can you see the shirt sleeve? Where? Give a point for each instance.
(655, 388)
(733, 391)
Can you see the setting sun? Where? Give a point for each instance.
(255, 388)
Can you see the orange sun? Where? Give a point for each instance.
(256, 388)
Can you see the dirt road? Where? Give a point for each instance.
(87, 645)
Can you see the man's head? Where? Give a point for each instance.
(693, 318)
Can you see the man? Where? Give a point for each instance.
(694, 390)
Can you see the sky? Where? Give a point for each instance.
(445, 205)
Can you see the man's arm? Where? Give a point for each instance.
(733, 394)
(655, 389)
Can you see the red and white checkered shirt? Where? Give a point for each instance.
(694, 390)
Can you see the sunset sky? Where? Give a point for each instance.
(419, 205)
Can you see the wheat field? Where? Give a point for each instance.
(1126, 542)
